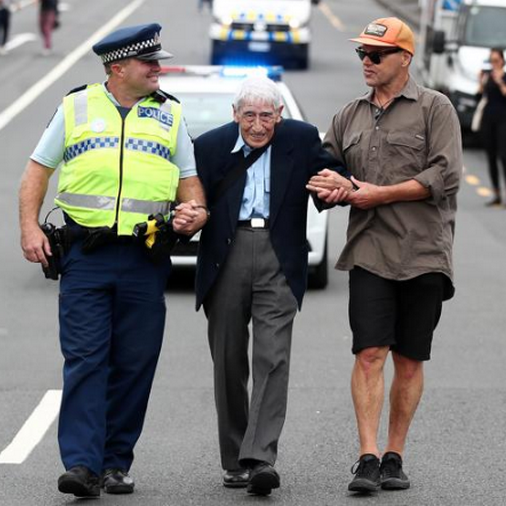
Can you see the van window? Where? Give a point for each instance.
(485, 27)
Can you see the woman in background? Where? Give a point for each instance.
(47, 20)
(493, 123)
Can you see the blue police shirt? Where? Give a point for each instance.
(49, 151)
(255, 199)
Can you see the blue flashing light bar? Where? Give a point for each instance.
(272, 72)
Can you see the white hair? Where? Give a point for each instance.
(258, 89)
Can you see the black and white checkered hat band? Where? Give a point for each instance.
(139, 48)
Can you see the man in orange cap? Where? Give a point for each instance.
(402, 144)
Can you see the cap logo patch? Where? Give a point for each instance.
(375, 30)
(152, 112)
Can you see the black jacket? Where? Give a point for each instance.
(296, 155)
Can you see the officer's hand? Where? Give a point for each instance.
(35, 245)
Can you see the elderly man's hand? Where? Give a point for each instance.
(330, 187)
(189, 218)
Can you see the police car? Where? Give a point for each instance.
(206, 93)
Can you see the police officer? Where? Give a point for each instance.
(125, 154)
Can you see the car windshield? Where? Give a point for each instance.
(204, 111)
(485, 27)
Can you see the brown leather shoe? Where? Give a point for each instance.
(237, 478)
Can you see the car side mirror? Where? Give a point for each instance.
(438, 42)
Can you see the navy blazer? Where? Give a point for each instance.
(296, 155)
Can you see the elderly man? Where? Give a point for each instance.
(252, 267)
(125, 155)
(401, 142)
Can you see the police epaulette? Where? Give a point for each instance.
(162, 96)
(75, 90)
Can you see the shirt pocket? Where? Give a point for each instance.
(406, 153)
(352, 152)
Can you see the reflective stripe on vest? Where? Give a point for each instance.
(108, 203)
(107, 158)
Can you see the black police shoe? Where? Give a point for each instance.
(80, 481)
(262, 479)
(116, 481)
(392, 475)
(237, 478)
(367, 474)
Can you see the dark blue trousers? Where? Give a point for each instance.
(112, 317)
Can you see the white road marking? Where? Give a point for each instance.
(22, 4)
(334, 20)
(472, 180)
(31, 94)
(484, 192)
(20, 39)
(33, 429)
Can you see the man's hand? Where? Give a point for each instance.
(367, 196)
(189, 218)
(330, 187)
(35, 245)
(34, 182)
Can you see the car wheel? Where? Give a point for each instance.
(303, 59)
(319, 277)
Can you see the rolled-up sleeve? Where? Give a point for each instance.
(444, 157)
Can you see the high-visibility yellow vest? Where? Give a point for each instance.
(114, 170)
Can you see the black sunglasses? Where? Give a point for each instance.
(375, 56)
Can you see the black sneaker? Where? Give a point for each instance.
(495, 202)
(116, 481)
(367, 474)
(392, 475)
(80, 481)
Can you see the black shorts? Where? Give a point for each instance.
(398, 314)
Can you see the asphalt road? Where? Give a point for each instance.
(455, 454)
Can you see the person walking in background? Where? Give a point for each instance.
(402, 144)
(493, 122)
(5, 19)
(48, 12)
(202, 2)
(124, 154)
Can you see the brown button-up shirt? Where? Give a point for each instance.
(417, 137)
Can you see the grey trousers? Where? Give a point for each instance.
(251, 287)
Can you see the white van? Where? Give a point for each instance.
(455, 41)
(261, 32)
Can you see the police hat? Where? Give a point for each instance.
(140, 41)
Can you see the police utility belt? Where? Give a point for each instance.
(156, 235)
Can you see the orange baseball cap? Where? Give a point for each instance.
(388, 32)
